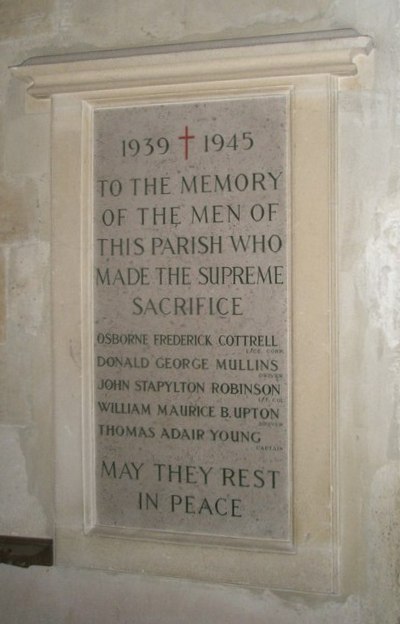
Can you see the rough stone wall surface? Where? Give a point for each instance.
(368, 311)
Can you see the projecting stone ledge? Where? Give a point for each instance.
(328, 52)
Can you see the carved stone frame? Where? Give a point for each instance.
(307, 68)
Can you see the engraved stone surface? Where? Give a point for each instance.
(191, 318)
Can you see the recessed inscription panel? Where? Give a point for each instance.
(191, 318)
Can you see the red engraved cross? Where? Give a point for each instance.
(186, 137)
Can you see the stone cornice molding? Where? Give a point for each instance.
(328, 52)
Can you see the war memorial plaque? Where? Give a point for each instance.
(194, 198)
(191, 318)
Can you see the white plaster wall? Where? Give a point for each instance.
(369, 317)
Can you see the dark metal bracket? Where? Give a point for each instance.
(26, 551)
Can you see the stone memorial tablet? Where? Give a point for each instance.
(194, 308)
(191, 331)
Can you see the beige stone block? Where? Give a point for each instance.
(28, 277)
(21, 511)
(15, 383)
(19, 204)
(169, 20)
(24, 377)
(24, 357)
(27, 141)
(260, 17)
(3, 297)
(25, 16)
